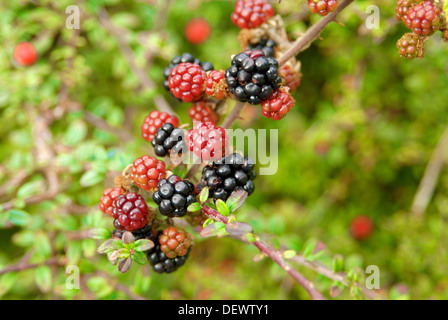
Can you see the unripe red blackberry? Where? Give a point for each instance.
(252, 77)
(265, 45)
(423, 19)
(290, 77)
(175, 242)
(147, 171)
(130, 212)
(207, 141)
(322, 7)
(202, 111)
(251, 13)
(25, 54)
(173, 196)
(187, 82)
(161, 263)
(197, 30)
(154, 121)
(169, 139)
(185, 57)
(215, 85)
(411, 46)
(228, 174)
(278, 104)
(361, 227)
(402, 7)
(108, 198)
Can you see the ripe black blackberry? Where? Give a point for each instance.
(169, 139)
(265, 45)
(228, 174)
(253, 77)
(173, 196)
(185, 57)
(161, 263)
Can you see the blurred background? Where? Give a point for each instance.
(352, 152)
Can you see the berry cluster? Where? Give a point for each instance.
(290, 77)
(186, 82)
(410, 46)
(253, 77)
(207, 141)
(161, 263)
(251, 13)
(185, 57)
(108, 198)
(173, 196)
(174, 242)
(322, 7)
(278, 104)
(228, 174)
(130, 212)
(402, 7)
(265, 45)
(215, 85)
(203, 112)
(154, 121)
(147, 171)
(423, 19)
(168, 139)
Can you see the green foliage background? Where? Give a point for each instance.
(356, 143)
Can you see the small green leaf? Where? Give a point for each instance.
(91, 178)
(215, 229)
(195, 206)
(208, 222)
(180, 170)
(203, 196)
(100, 233)
(29, 189)
(123, 253)
(124, 265)
(110, 245)
(7, 281)
(143, 245)
(139, 257)
(236, 200)
(19, 217)
(250, 237)
(43, 278)
(338, 263)
(309, 247)
(222, 207)
(289, 254)
(128, 238)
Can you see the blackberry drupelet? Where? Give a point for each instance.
(228, 174)
(169, 139)
(185, 57)
(265, 45)
(161, 263)
(253, 77)
(173, 196)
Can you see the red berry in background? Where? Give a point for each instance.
(423, 19)
(278, 104)
(197, 30)
(202, 111)
(154, 121)
(290, 77)
(187, 81)
(207, 141)
(147, 171)
(25, 54)
(215, 85)
(130, 211)
(108, 198)
(361, 227)
(174, 242)
(250, 14)
(322, 7)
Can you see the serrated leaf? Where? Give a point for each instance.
(222, 207)
(100, 233)
(288, 254)
(195, 206)
(203, 196)
(139, 257)
(43, 278)
(19, 217)
(143, 245)
(128, 238)
(236, 200)
(124, 265)
(91, 178)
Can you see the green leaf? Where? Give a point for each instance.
(128, 238)
(19, 217)
(75, 133)
(139, 257)
(236, 200)
(309, 247)
(7, 281)
(338, 263)
(143, 245)
(29, 189)
(124, 265)
(250, 237)
(100, 233)
(207, 222)
(89, 247)
(180, 170)
(215, 229)
(110, 245)
(203, 196)
(42, 245)
(289, 254)
(43, 278)
(123, 253)
(74, 252)
(195, 206)
(91, 178)
(222, 207)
